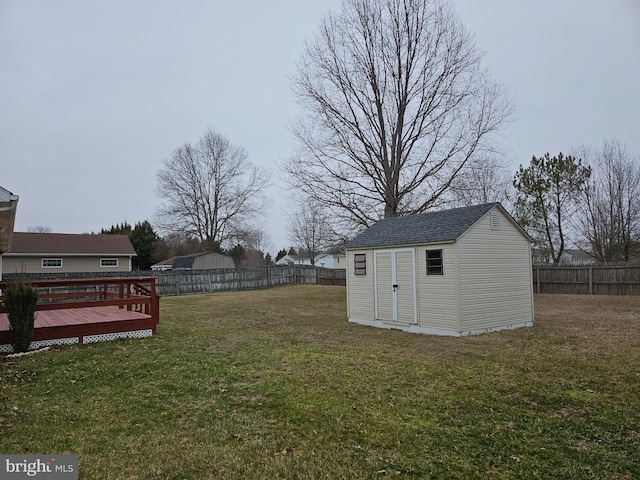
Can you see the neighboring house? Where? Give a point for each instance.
(570, 256)
(574, 256)
(287, 260)
(452, 272)
(332, 259)
(163, 265)
(68, 253)
(8, 206)
(196, 261)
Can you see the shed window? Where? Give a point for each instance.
(360, 264)
(108, 262)
(434, 262)
(51, 263)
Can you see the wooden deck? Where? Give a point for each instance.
(86, 311)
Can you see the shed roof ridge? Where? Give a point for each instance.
(421, 228)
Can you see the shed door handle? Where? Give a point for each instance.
(395, 286)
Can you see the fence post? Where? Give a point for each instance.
(538, 278)
(590, 280)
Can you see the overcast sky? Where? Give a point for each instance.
(94, 95)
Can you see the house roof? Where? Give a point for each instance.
(70, 244)
(168, 261)
(422, 228)
(186, 261)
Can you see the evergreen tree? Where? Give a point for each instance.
(143, 238)
(238, 253)
(281, 253)
(547, 195)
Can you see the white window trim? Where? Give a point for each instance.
(110, 259)
(441, 250)
(51, 266)
(363, 261)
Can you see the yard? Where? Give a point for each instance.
(276, 384)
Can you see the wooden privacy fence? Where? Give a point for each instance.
(587, 280)
(184, 282)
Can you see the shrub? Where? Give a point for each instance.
(21, 299)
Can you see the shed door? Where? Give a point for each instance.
(395, 285)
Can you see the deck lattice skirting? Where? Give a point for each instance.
(89, 310)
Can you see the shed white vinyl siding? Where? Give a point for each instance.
(360, 288)
(494, 265)
(437, 293)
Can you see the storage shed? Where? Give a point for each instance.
(203, 261)
(452, 272)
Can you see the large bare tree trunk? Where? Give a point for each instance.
(395, 103)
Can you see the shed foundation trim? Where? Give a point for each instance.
(437, 331)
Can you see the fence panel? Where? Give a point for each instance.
(585, 280)
(185, 282)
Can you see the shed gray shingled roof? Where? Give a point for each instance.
(431, 227)
(186, 261)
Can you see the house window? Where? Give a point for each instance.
(434, 262)
(51, 263)
(360, 264)
(108, 262)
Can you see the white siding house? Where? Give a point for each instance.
(333, 259)
(451, 272)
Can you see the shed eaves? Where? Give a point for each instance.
(431, 227)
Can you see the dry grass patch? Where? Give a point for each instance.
(276, 384)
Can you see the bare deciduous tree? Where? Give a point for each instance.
(610, 209)
(39, 229)
(209, 190)
(396, 103)
(252, 239)
(310, 229)
(484, 180)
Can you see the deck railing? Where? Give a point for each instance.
(134, 294)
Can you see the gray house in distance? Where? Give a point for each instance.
(451, 272)
(196, 261)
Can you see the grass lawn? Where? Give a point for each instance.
(277, 384)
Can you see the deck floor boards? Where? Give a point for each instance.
(77, 317)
